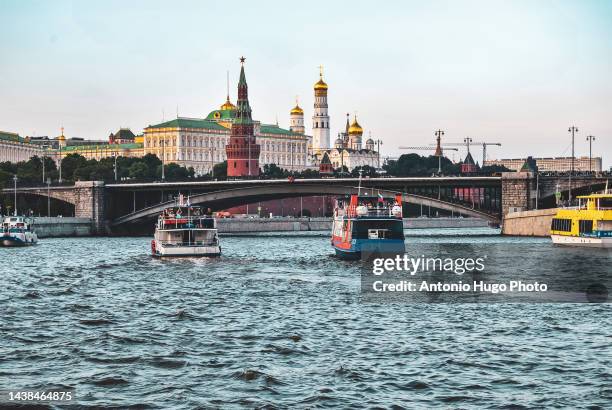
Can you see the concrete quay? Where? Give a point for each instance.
(528, 223)
(238, 225)
(55, 227)
(73, 227)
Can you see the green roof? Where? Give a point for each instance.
(220, 115)
(275, 129)
(10, 136)
(208, 124)
(189, 123)
(99, 147)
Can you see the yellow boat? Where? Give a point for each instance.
(588, 224)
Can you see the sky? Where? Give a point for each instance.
(517, 73)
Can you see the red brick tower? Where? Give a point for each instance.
(242, 150)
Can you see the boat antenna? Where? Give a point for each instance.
(359, 187)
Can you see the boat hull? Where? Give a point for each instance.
(15, 242)
(186, 251)
(584, 241)
(358, 248)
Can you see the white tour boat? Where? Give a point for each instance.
(185, 230)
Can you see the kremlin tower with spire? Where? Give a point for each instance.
(242, 150)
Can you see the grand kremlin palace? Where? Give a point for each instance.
(200, 143)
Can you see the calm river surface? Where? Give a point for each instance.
(277, 322)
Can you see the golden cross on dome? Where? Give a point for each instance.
(242, 60)
(296, 101)
(62, 130)
(321, 71)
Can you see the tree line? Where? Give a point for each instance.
(75, 167)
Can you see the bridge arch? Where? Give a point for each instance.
(228, 198)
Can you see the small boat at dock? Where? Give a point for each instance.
(588, 225)
(17, 231)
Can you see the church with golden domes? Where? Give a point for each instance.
(348, 149)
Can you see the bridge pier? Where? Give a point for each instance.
(88, 199)
(518, 192)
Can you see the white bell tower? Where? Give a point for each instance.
(320, 119)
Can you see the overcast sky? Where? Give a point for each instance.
(514, 72)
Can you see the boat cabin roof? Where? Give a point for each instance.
(366, 198)
(595, 196)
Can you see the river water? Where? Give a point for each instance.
(278, 322)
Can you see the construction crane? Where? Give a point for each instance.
(467, 141)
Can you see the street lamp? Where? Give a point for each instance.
(48, 197)
(60, 164)
(378, 143)
(115, 155)
(439, 135)
(590, 138)
(572, 130)
(163, 145)
(15, 182)
(467, 141)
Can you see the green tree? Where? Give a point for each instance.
(220, 170)
(70, 163)
(175, 172)
(309, 173)
(153, 165)
(5, 178)
(273, 171)
(342, 171)
(138, 170)
(416, 165)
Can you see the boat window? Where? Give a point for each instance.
(585, 226)
(605, 203)
(207, 223)
(393, 229)
(564, 225)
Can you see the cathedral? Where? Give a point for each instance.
(348, 150)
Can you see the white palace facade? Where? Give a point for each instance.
(14, 148)
(200, 142)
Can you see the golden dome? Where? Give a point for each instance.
(355, 128)
(320, 85)
(297, 110)
(228, 105)
(61, 137)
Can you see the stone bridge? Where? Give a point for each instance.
(231, 197)
(523, 191)
(110, 205)
(87, 197)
